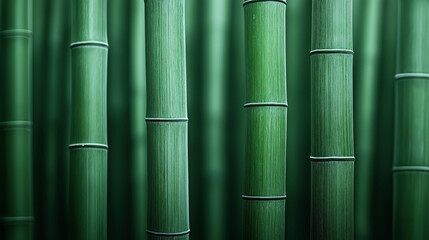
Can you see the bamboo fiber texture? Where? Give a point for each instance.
(88, 144)
(266, 114)
(167, 122)
(332, 153)
(411, 159)
(16, 197)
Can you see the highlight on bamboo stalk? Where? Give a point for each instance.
(266, 114)
(167, 121)
(411, 160)
(332, 150)
(16, 183)
(88, 143)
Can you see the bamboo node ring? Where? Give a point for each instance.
(89, 43)
(16, 124)
(19, 219)
(332, 158)
(331, 51)
(265, 104)
(168, 234)
(88, 145)
(167, 119)
(256, 1)
(263, 198)
(16, 33)
(411, 75)
(411, 169)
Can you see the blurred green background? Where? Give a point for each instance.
(215, 80)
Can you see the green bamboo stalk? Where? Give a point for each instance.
(411, 161)
(138, 126)
(214, 75)
(88, 148)
(167, 122)
(266, 113)
(16, 196)
(298, 46)
(332, 153)
(366, 88)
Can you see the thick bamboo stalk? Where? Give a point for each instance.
(167, 122)
(138, 126)
(366, 88)
(332, 153)
(88, 144)
(16, 196)
(266, 113)
(411, 160)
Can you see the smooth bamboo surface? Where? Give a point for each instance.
(411, 159)
(264, 193)
(332, 150)
(167, 123)
(16, 183)
(88, 144)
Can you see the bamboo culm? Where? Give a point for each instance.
(16, 196)
(332, 152)
(167, 121)
(266, 114)
(411, 141)
(88, 144)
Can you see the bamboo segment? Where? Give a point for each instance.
(88, 148)
(167, 122)
(411, 161)
(266, 113)
(332, 152)
(16, 196)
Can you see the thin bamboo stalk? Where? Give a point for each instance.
(88, 148)
(138, 113)
(411, 160)
(332, 153)
(167, 122)
(266, 113)
(16, 197)
(366, 88)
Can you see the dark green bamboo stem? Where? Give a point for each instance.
(16, 196)
(88, 144)
(332, 153)
(266, 110)
(138, 126)
(167, 122)
(411, 160)
(366, 75)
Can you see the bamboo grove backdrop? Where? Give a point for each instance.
(81, 112)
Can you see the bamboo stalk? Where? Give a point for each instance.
(16, 197)
(366, 87)
(167, 122)
(138, 113)
(332, 153)
(88, 148)
(266, 113)
(411, 161)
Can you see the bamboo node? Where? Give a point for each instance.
(16, 124)
(168, 234)
(16, 33)
(411, 75)
(331, 51)
(19, 219)
(88, 145)
(89, 43)
(263, 198)
(332, 158)
(256, 1)
(265, 104)
(167, 119)
(411, 169)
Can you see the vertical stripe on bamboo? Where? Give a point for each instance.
(167, 122)
(88, 144)
(16, 196)
(411, 156)
(266, 116)
(332, 166)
